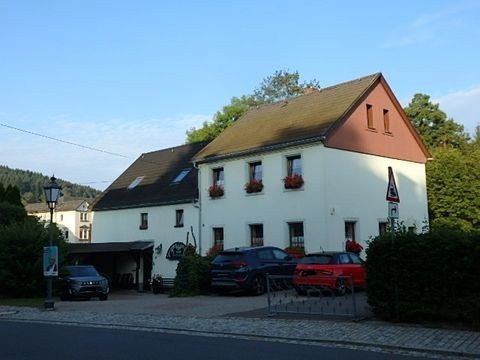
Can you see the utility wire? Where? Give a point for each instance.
(63, 141)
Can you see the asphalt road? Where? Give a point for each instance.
(25, 341)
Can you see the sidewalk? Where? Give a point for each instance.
(205, 316)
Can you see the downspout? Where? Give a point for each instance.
(198, 205)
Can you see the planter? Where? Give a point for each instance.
(293, 181)
(253, 186)
(215, 191)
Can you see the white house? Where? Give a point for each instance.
(145, 218)
(323, 161)
(72, 217)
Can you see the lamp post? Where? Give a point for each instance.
(52, 193)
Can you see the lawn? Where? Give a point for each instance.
(30, 302)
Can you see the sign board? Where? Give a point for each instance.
(393, 210)
(392, 191)
(50, 261)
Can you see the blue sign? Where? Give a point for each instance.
(50, 261)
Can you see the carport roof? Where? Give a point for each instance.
(109, 247)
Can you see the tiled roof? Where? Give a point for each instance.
(305, 117)
(149, 181)
(70, 205)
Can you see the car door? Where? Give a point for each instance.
(358, 270)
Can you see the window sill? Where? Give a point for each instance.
(254, 193)
(143, 227)
(178, 226)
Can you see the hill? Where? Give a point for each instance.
(31, 185)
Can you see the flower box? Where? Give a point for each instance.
(215, 191)
(293, 181)
(254, 186)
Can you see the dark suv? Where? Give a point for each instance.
(246, 268)
(83, 281)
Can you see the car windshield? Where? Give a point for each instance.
(317, 259)
(226, 257)
(82, 271)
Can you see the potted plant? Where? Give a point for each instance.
(254, 186)
(156, 283)
(353, 246)
(294, 181)
(215, 191)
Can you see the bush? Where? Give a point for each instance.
(426, 277)
(192, 276)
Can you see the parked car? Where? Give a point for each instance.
(83, 281)
(337, 271)
(246, 268)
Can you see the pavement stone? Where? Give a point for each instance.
(247, 317)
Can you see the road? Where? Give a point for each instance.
(25, 341)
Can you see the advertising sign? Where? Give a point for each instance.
(50, 261)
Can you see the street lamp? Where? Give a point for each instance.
(52, 193)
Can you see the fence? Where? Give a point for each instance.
(285, 297)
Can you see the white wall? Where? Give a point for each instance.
(123, 226)
(339, 186)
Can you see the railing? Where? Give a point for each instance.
(285, 297)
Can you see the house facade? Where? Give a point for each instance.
(155, 203)
(312, 171)
(73, 218)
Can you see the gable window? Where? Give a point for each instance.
(83, 216)
(218, 237)
(256, 235)
(296, 238)
(179, 218)
(370, 117)
(386, 121)
(143, 221)
(350, 230)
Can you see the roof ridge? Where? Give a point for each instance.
(175, 147)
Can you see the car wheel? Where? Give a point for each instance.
(103, 297)
(340, 287)
(258, 285)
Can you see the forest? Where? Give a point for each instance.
(31, 185)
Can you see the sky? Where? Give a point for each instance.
(87, 86)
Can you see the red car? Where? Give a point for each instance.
(329, 271)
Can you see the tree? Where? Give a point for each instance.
(433, 125)
(453, 183)
(281, 85)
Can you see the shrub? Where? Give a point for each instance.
(192, 276)
(426, 277)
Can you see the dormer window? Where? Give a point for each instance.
(135, 182)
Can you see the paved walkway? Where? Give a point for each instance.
(247, 317)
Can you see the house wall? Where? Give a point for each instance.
(339, 186)
(123, 225)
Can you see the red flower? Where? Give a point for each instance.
(215, 191)
(294, 181)
(254, 186)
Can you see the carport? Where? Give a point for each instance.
(127, 265)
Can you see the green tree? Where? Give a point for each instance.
(433, 125)
(281, 85)
(453, 183)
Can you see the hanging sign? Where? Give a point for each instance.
(392, 191)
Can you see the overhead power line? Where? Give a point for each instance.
(63, 141)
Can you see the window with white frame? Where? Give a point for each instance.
(296, 237)
(143, 221)
(84, 233)
(83, 216)
(179, 218)
(256, 235)
(294, 165)
(218, 177)
(218, 237)
(350, 230)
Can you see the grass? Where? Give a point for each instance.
(28, 302)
